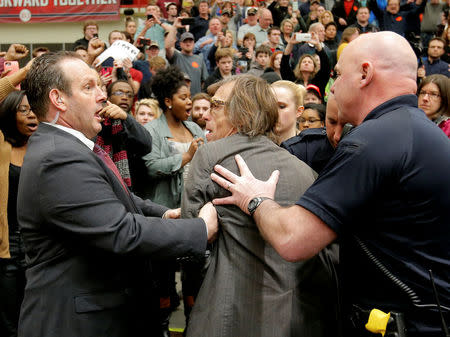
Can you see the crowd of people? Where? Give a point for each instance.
(326, 125)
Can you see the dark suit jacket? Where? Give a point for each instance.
(86, 239)
(249, 290)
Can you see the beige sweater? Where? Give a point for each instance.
(6, 88)
(5, 159)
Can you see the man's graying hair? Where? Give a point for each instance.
(252, 107)
(46, 74)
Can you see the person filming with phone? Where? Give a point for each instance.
(307, 71)
(153, 28)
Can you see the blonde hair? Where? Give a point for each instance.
(323, 15)
(298, 91)
(251, 106)
(151, 103)
(229, 32)
(284, 22)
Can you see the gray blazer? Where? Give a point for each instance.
(87, 242)
(249, 290)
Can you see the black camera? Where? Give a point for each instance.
(150, 16)
(95, 35)
(187, 21)
(145, 42)
(243, 50)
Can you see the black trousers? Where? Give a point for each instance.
(12, 285)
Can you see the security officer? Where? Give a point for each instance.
(384, 193)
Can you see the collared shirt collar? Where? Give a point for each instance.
(391, 105)
(89, 143)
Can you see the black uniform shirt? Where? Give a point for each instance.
(388, 183)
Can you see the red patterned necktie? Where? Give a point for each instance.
(107, 160)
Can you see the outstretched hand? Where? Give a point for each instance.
(243, 188)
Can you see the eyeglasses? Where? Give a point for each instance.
(310, 121)
(431, 95)
(121, 93)
(24, 111)
(217, 103)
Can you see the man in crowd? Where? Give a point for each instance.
(90, 30)
(252, 21)
(371, 194)
(123, 138)
(224, 62)
(163, 6)
(191, 64)
(362, 21)
(264, 22)
(88, 238)
(153, 28)
(433, 63)
(172, 12)
(431, 19)
(262, 57)
(201, 103)
(344, 12)
(204, 44)
(274, 40)
(308, 48)
(395, 18)
(200, 26)
(115, 35)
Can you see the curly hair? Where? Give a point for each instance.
(166, 83)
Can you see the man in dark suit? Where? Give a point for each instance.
(87, 238)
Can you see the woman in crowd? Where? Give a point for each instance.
(279, 11)
(290, 107)
(146, 110)
(175, 139)
(313, 116)
(446, 37)
(348, 35)
(286, 28)
(331, 36)
(307, 71)
(326, 17)
(272, 72)
(434, 98)
(130, 26)
(249, 290)
(17, 123)
(174, 143)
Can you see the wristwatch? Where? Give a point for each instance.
(254, 203)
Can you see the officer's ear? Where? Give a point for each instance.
(366, 73)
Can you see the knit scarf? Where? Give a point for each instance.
(113, 141)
